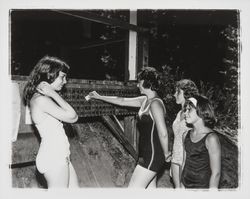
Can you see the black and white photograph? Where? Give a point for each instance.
(124, 98)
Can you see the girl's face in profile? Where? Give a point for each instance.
(59, 82)
(190, 115)
(179, 96)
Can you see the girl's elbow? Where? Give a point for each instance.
(73, 118)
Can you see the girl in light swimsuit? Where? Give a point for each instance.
(48, 111)
(184, 89)
(153, 134)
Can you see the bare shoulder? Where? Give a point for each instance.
(212, 136)
(40, 100)
(157, 106)
(212, 139)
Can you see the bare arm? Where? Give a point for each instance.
(121, 101)
(184, 157)
(157, 110)
(61, 110)
(214, 150)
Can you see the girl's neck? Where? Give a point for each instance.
(200, 128)
(152, 95)
(200, 132)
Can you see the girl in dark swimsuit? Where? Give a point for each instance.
(202, 157)
(153, 140)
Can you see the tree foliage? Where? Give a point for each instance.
(225, 97)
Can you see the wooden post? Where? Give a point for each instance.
(130, 74)
(132, 47)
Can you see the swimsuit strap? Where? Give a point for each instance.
(204, 137)
(159, 99)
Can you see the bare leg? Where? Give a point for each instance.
(73, 180)
(141, 177)
(175, 168)
(57, 177)
(152, 184)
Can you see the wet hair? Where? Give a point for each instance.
(152, 78)
(204, 110)
(188, 86)
(47, 69)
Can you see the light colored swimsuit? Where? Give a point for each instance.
(54, 147)
(179, 127)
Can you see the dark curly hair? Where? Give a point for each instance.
(47, 69)
(188, 86)
(152, 78)
(204, 110)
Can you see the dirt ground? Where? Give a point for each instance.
(98, 158)
(101, 161)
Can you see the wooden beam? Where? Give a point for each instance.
(118, 122)
(101, 43)
(120, 136)
(22, 164)
(132, 56)
(96, 18)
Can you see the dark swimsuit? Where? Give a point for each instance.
(150, 151)
(197, 171)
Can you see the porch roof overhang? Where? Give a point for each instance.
(99, 19)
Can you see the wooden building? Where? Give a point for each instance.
(106, 160)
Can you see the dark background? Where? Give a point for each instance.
(35, 33)
(191, 40)
(188, 40)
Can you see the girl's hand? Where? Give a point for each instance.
(45, 89)
(168, 157)
(94, 95)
